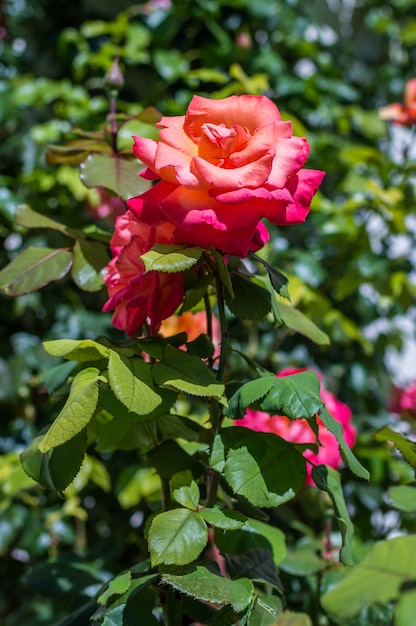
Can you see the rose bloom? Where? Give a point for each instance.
(136, 295)
(107, 207)
(403, 400)
(224, 166)
(299, 430)
(404, 114)
(193, 324)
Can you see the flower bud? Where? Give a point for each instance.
(114, 78)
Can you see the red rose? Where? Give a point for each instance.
(299, 431)
(224, 166)
(137, 295)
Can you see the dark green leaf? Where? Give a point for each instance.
(34, 268)
(256, 564)
(247, 394)
(186, 372)
(329, 480)
(278, 280)
(250, 301)
(57, 469)
(350, 459)
(169, 458)
(28, 218)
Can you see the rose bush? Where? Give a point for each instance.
(299, 430)
(403, 114)
(137, 295)
(224, 166)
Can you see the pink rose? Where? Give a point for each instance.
(403, 401)
(403, 114)
(137, 295)
(107, 208)
(225, 165)
(299, 431)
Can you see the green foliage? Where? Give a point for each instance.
(151, 416)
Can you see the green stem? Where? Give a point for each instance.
(208, 312)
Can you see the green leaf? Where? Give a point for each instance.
(112, 172)
(87, 267)
(57, 469)
(34, 268)
(176, 537)
(174, 426)
(250, 301)
(379, 577)
(77, 411)
(288, 618)
(223, 272)
(404, 445)
(248, 394)
(169, 458)
(349, 457)
(26, 217)
(116, 587)
(297, 321)
(170, 258)
(185, 490)
(278, 280)
(202, 583)
(131, 381)
(224, 519)
(404, 614)
(77, 349)
(296, 396)
(274, 536)
(403, 497)
(111, 404)
(329, 480)
(186, 372)
(303, 561)
(264, 611)
(56, 578)
(262, 467)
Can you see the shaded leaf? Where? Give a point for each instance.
(256, 564)
(297, 321)
(34, 268)
(169, 458)
(293, 619)
(329, 480)
(112, 172)
(349, 457)
(88, 265)
(57, 469)
(250, 301)
(186, 372)
(26, 217)
(248, 394)
(264, 611)
(403, 497)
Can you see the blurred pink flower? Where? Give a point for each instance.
(137, 296)
(299, 431)
(107, 208)
(403, 400)
(404, 114)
